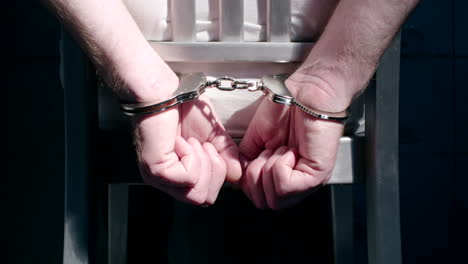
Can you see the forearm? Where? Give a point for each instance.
(345, 57)
(112, 40)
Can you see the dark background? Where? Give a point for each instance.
(433, 134)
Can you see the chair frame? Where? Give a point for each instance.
(98, 231)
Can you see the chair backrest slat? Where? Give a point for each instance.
(231, 20)
(183, 20)
(278, 21)
(231, 46)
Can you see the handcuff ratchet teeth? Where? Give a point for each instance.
(192, 85)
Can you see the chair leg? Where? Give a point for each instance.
(78, 120)
(382, 189)
(117, 223)
(342, 215)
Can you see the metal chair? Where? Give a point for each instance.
(371, 158)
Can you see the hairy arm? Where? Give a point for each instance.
(346, 55)
(112, 40)
(183, 151)
(291, 152)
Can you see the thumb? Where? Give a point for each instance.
(252, 144)
(228, 150)
(156, 144)
(267, 130)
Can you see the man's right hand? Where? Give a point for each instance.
(186, 152)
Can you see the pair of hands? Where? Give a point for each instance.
(285, 153)
(186, 151)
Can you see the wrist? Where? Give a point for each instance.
(319, 92)
(328, 87)
(145, 78)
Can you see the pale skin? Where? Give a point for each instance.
(186, 152)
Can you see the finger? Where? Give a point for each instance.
(244, 163)
(252, 144)
(199, 193)
(201, 122)
(156, 146)
(267, 130)
(190, 161)
(196, 166)
(228, 150)
(252, 181)
(218, 172)
(319, 141)
(267, 178)
(289, 179)
(292, 142)
(279, 123)
(312, 163)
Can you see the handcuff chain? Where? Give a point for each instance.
(229, 84)
(192, 86)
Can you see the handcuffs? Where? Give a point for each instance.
(192, 85)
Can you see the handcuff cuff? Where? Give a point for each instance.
(193, 85)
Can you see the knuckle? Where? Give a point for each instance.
(150, 169)
(319, 176)
(325, 177)
(282, 186)
(198, 198)
(268, 166)
(189, 180)
(156, 172)
(210, 201)
(162, 173)
(196, 201)
(323, 165)
(148, 172)
(283, 189)
(249, 174)
(154, 177)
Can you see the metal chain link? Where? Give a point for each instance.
(227, 83)
(277, 93)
